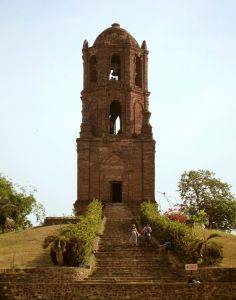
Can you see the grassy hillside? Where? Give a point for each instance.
(23, 249)
(227, 241)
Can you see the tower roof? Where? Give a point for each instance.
(115, 36)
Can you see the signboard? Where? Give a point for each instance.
(191, 267)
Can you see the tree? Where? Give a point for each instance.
(200, 190)
(5, 209)
(16, 204)
(200, 218)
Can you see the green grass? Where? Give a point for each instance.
(23, 249)
(227, 241)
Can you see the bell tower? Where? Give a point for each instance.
(116, 150)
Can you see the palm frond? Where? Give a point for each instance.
(48, 240)
(213, 235)
(199, 246)
(59, 244)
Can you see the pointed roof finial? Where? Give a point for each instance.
(85, 44)
(144, 45)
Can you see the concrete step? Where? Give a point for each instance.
(130, 278)
(128, 250)
(126, 282)
(132, 267)
(133, 260)
(130, 274)
(127, 256)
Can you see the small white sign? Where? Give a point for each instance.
(191, 267)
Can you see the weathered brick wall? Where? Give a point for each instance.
(44, 275)
(70, 274)
(72, 291)
(130, 161)
(67, 283)
(209, 274)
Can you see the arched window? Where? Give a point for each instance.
(138, 71)
(115, 73)
(115, 118)
(93, 68)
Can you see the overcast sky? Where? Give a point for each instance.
(192, 80)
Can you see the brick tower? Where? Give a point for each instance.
(116, 150)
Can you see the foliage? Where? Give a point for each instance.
(79, 238)
(75, 252)
(16, 204)
(200, 190)
(53, 256)
(176, 214)
(57, 246)
(184, 241)
(210, 252)
(5, 210)
(200, 218)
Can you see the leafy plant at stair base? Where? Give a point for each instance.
(75, 252)
(79, 238)
(209, 251)
(57, 245)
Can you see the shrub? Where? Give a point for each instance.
(53, 256)
(78, 238)
(176, 215)
(74, 254)
(212, 254)
(184, 241)
(57, 246)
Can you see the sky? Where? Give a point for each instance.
(192, 80)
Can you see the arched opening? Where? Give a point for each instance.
(93, 68)
(138, 71)
(115, 118)
(115, 73)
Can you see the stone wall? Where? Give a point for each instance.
(74, 274)
(59, 220)
(216, 274)
(50, 274)
(74, 291)
(68, 283)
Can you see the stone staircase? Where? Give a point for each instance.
(118, 261)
